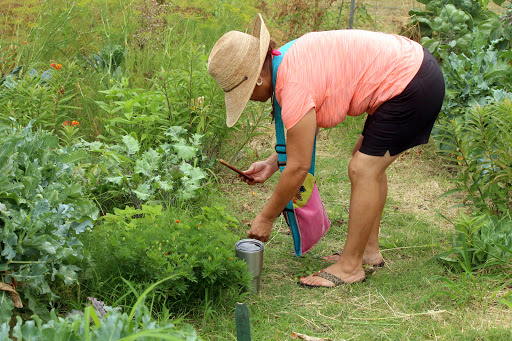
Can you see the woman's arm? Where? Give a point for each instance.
(299, 149)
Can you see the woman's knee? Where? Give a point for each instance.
(362, 169)
(357, 171)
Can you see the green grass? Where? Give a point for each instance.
(398, 302)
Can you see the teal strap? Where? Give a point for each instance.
(280, 137)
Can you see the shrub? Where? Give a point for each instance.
(44, 97)
(145, 114)
(42, 209)
(481, 241)
(126, 174)
(145, 245)
(479, 146)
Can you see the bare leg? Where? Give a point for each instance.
(372, 254)
(367, 200)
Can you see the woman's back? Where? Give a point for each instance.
(346, 72)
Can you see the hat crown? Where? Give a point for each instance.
(235, 63)
(228, 62)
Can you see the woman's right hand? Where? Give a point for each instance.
(260, 171)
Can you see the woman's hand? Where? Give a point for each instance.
(260, 171)
(260, 228)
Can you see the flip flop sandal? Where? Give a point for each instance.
(368, 267)
(328, 276)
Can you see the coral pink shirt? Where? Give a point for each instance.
(346, 72)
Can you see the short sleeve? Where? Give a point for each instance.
(295, 101)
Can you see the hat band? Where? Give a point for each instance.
(236, 86)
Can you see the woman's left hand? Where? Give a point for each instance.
(260, 228)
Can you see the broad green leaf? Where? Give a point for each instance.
(185, 152)
(175, 132)
(68, 273)
(10, 240)
(143, 191)
(131, 144)
(4, 326)
(80, 227)
(118, 180)
(6, 307)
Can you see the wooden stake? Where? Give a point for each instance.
(243, 323)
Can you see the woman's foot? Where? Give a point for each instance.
(374, 260)
(336, 277)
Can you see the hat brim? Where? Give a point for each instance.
(237, 99)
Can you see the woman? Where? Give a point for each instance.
(323, 77)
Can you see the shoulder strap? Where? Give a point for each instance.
(280, 137)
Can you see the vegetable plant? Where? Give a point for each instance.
(100, 322)
(42, 210)
(126, 174)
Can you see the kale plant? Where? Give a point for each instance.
(42, 209)
(125, 174)
(114, 325)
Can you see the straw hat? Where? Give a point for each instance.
(235, 63)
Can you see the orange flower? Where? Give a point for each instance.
(71, 123)
(56, 66)
(177, 221)
(25, 42)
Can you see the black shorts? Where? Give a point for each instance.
(406, 120)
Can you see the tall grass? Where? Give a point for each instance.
(162, 46)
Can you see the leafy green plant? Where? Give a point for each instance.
(477, 11)
(479, 146)
(194, 101)
(479, 77)
(100, 322)
(128, 175)
(447, 26)
(149, 244)
(481, 241)
(46, 98)
(134, 111)
(452, 30)
(42, 209)
(480, 256)
(109, 59)
(69, 134)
